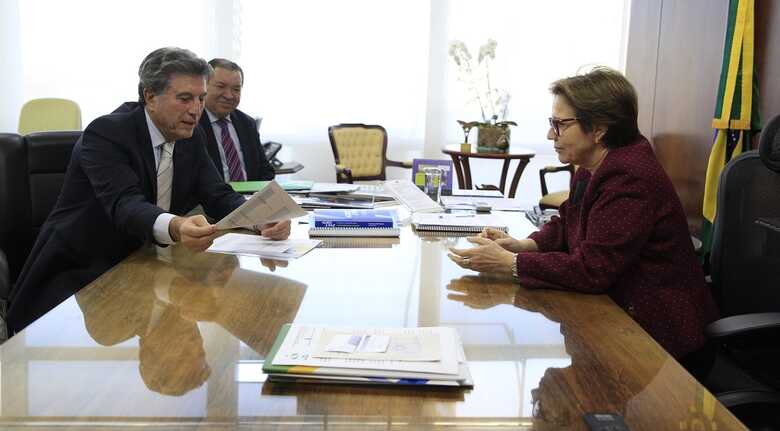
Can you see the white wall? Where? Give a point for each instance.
(11, 54)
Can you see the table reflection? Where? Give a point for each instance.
(162, 303)
(172, 336)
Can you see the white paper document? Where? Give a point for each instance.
(402, 345)
(423, 350)
(271, 204)
(478, 193)
(333, 188)
(411, 197)
(472, 202)
(348, 343)
(255, 245)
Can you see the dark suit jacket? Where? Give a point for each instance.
(255, 163)
(106, 209)
(623, 232)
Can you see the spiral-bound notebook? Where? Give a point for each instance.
(354, 223)
(457, 222)
(363, 242)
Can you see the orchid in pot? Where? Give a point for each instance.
(493, 131)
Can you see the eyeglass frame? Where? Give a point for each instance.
(555, 124)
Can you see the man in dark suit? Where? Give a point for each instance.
(233, 141)
(132, 176)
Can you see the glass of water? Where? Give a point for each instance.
(433, 176)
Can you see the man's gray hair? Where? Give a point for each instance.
(157, 68)
(226, 64)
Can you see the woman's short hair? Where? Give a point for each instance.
(602, 97)
(157, 68)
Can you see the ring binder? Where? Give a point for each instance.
(354, 223)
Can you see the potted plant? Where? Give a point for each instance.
(493, 131)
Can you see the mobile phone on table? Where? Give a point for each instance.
(605, 422)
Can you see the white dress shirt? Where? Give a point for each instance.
(160, 230)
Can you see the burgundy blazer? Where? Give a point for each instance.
(623, 232)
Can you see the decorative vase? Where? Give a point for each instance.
(492, 139)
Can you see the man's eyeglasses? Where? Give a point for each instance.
(556, 123)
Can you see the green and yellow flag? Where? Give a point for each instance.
(736, 110)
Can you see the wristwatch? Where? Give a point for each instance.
(514, 268)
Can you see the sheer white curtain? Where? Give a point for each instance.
(311, 64)
(89, 50)
(538, 42)
(387, 63)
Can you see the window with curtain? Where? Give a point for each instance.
(537, 43)
(311, 64)
(89, 50)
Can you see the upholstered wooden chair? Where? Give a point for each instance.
(44, 115)
(555, 199)
(360, 152)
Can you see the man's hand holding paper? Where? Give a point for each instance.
(268, 212)
(265, 208)
(278, 231)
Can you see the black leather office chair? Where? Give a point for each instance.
(745, 269)
(5, 289)
(32, 171)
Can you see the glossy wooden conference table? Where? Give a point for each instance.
(177, 341)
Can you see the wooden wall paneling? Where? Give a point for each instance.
(689, 62)
(674, 58)
(689, 53)
(767, 58)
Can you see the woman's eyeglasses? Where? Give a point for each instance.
(556, 123)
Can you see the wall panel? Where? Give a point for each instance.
(677, 96)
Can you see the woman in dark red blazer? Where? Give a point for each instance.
(622, 232)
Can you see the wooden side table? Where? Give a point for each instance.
(463, 168)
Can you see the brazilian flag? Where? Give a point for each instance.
(736, 111)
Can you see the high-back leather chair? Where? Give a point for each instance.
(5, 289)
(360, 152)
(51, 114)
(745, 270)
(32, 171)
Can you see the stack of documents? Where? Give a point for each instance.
(326, 200)
(477, 202)
(411, 197)
(250, 187)
(324, 195)
(255, 245)
(399, 356)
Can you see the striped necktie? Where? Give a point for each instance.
(165, 177)
(231, 155)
